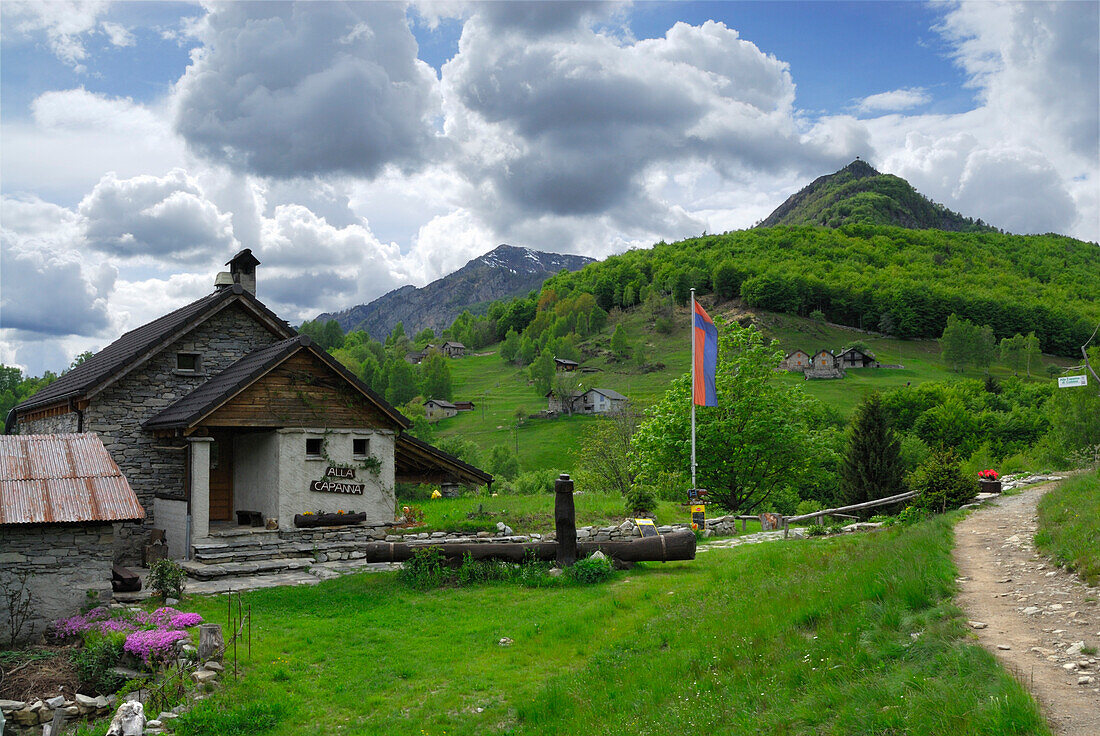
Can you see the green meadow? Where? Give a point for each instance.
(846, 635)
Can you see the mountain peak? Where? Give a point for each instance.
(504, 272)
(860, 194)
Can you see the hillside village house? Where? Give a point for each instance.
(452, 349)
(799, 360)
(855, 358)
(564, 364)
(220, 406)
(436, 409)
(592, 401)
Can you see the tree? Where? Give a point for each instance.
(509, 349)
(502, 462)
(526, 352)
(727, 280)
(941, 484)
(753, 447)
(985, 347)
(542, 372)
(400, 381)
(564, 386)
(1012, 352)
(604, 456)
(1031, 352)
(437, 376)
(956, 342)
(372, 374)
(424, 337)
(80, 359)
(620, 345)
(871, 467)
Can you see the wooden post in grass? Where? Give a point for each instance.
(565, 520)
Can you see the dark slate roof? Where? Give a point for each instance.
(118, 356)
(566, 361)
(440, 402)
(234, 379)
(614, 395)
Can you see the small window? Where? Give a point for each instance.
(313, 447)
(188, 362)
(359, 447)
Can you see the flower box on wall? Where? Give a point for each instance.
(306, 521)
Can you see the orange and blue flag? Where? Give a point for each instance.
(705, 335)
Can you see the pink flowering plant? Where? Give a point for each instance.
(150, 636)
(988, 474)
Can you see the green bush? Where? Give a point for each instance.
(640, 500)
(166, 579)
(533, 482)
(94, 660)
(807, 506)
(591, 570)
(816, 530)
(941, 484)
(426, 568)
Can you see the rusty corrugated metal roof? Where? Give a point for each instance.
(56, 478)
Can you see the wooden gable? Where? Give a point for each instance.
(302, 391)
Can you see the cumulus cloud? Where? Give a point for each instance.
(117, 34)
(297, 90)
(567, 126)
(894, 100)
(159, 218)
(47, 286)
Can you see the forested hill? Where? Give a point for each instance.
(903, 283)
(860, 194)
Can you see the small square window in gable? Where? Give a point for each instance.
(313, 446)
(360, 447)
(188, 362)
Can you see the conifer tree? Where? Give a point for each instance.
(871, 467)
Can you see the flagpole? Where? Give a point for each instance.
(692, 392)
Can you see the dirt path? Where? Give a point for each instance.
(1031, 615)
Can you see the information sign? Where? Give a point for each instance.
(699, 517)
(647, 527)
(1068, 381)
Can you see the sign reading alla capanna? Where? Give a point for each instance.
(335, 471)
(332, 486)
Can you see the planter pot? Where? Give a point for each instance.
(306, 521)
(990, 486)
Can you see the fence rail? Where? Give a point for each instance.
(839, 511)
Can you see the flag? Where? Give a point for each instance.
(705, 335)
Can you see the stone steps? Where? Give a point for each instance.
(203, 571)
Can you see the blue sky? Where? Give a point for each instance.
(369, 145)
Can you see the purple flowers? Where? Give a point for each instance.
(153, 645)
(151, 637)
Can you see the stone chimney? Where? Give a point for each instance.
(242, 268)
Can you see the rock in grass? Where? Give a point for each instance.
(977, 624)
(505, 642)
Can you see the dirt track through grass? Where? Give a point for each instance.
(1033, 611)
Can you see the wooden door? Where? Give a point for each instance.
(221, 477)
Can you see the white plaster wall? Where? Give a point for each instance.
(171, 516)
(296, 473)
(256, 473)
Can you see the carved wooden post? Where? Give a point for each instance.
(565, 520)
(211, 642)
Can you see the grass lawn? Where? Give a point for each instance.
(527, 514)
(847, 635)
(1069, 525)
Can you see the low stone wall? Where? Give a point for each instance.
(61, 563)
(25, 719)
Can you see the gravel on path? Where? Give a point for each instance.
(1034, 616)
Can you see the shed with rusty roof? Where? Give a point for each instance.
(60, 497)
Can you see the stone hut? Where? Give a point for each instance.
(855, 358)
(797, 361)
(564, 364)
(824, 365)
(221, 407)
(452, 349)
(60, 497)
(436, 409)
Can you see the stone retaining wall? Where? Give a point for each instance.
(62, 563)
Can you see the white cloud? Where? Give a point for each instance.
(894, 100)
(76, 135)
(48, 286)
(62, 22)
(117, 34)
(289, 91)
(156, 219)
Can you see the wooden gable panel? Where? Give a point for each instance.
(301, 392)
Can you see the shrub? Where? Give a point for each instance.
(640, 500)
(93, 661)
(807, 506)
(425, 569)
(594, 569)
(533, 482)
(166, 579)
(816, 530)
(941, 484)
